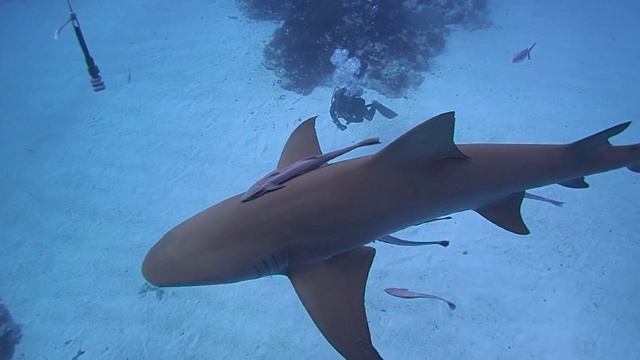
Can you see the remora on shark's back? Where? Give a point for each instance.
(315, 230)
(275, 180)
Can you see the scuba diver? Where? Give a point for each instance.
(347, 104)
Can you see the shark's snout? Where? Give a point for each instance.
(151, 271)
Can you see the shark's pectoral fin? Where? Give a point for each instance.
(333, 294)
(430, 141)
(577, 183)
(303, 142)
(506, 213)
(635, 168)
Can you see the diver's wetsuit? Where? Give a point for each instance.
(349, 108)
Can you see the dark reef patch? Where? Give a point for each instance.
(10, 334)
(397, 39)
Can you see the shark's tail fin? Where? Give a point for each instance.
(597, 143)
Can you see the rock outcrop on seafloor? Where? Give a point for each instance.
(397, 39)
(10, 334)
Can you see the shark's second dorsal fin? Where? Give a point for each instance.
(303, 142)
(332, 291)
(430, 141)
(506, 213)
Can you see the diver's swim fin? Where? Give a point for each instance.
(385, 111)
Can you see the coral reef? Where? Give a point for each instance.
(10, 334)
(395, 38)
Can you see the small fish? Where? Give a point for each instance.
(541, 198)
(407, 294)
(78, 354)
(401, 242)
(522, 54)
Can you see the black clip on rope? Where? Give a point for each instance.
(94, 72)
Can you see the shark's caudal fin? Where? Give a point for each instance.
(430, 141)
(332, 291)
(506, 213)
(597, 143)
(302, 142)
(592, 146)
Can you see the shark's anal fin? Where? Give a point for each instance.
(577, 183)
(302, 142)
(332, 291)
(506, 213)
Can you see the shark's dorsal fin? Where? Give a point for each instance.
(303, 142)
(332, 291)
(506, 213)
(430, 141)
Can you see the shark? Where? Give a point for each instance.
(317, 230)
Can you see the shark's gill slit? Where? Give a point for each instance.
(267, 266)
(257, 270)
(275, 261)
(286, 256)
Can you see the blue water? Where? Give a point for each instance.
(89, 181)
